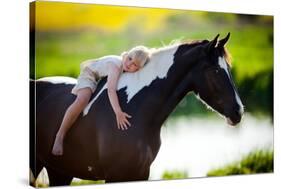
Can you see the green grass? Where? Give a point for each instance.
(86, 182)
(260, 161)
(174, 174)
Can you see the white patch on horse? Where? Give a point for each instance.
(90, 168)
(241, 109)
(59, 79)
(223, 65)
(160, 62)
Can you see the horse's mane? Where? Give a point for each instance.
(227, 56)
(189, 42)
(224, 52)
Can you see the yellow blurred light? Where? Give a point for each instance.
(72, 16)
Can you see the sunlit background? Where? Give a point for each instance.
(195, 141)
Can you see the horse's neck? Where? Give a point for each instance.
(165, 86)
(170, 104)
(174, 83)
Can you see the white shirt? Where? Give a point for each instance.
(100, 67)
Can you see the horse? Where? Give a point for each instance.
(94, 148)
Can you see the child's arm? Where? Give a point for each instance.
(112, 80)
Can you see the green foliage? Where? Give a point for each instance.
(260, 161)
(175, 174)
(86, 182)
(257, 93)
(41, 185)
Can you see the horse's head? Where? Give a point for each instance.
(212, 81)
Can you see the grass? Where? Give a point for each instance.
(86, 182)
(174, 174)
(260, 161)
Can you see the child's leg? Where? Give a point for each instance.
(71, 114)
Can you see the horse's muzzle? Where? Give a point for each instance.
(234, 119)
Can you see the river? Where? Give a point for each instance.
(197, 145)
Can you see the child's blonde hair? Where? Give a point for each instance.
(139, 53)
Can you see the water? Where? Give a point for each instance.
(197, 145)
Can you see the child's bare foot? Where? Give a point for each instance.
(58, 147)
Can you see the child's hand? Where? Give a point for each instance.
(122, 121)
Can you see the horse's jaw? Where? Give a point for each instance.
(230, 121)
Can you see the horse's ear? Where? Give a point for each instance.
(212, 44)
(223, 41)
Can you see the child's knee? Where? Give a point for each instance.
(83, 97)
(82, 100)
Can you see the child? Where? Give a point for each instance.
(91, 71)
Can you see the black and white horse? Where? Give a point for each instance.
(94, 148)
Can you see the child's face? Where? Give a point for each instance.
(130, 64)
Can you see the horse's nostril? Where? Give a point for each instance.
(235, 118)
(238, 115)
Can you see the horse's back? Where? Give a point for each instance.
(48, 85)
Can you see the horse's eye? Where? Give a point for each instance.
(213, 70)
